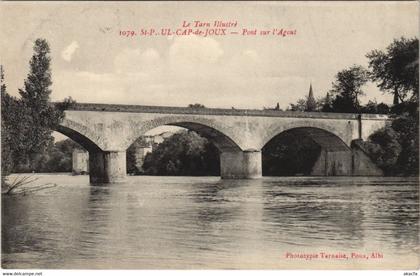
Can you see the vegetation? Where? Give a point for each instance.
(277, 107)
(184, 153)
(196, 105)
(395, 148)
(6, 152)
(326, 105)
(23, 185)
(374, 108)
(383, 149)
(287, 154)
(40, 116)
(27, 122)
(56, 157)
(396, 71)
(348, 87)
(300, 105)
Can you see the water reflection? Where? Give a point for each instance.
(175, 222)
(312, 216)
(94, 221)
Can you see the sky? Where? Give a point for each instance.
(92, 62)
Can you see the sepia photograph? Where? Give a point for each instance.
(278, 135)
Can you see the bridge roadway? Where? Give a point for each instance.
(107, 130)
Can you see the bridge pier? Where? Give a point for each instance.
(107, 166)
(241, 164)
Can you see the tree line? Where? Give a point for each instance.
(395, 71)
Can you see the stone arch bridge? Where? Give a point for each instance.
(106, 131)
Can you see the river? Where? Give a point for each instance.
(204, 222)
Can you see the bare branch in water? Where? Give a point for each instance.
(18, 186)
(37, 188)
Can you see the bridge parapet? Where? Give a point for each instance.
(219, 111)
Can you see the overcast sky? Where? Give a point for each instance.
(92, 63)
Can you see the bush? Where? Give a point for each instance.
(384, 149)
(407, 128)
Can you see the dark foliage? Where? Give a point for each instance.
(56, 158)
(326, 105)
(405, 108)
(300, 105)
(383, 148)
(288, 154)
(407, 128)
(396, 70)
(6, 138)
(196, 105)
(40, 115)
(375, 108)
(395, 148)
(184, 153)
(27, 122)
(347, 88)
(344, 104)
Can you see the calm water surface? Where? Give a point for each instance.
(205, 222)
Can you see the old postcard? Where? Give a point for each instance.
(210, 135)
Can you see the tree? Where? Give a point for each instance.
(384, 149)
(13, 121)
(289, 154)
(348, 87)
(277, 107)
(382, 108)
(395, 148)
(6, 143)
(326, 105)
(59, 157)
(396, 70)
(27, 122)
(374, 108)
(56, 158)
(40, 116)
(407, 128)
(300, 105)
(343, 104)
(184, 153)
(196, 105)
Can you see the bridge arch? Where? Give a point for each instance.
(80, 134)
(321, 129)
(324, 138)
(309, 151)
(218, 135)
